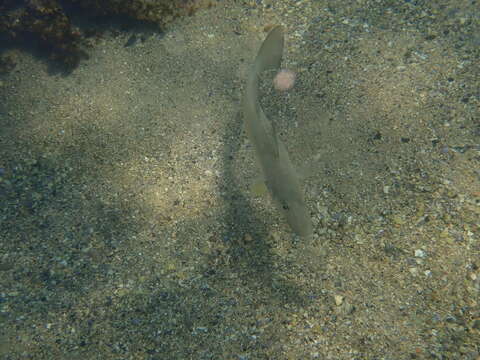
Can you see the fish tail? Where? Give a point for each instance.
(270, 53)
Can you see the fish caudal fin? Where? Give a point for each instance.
(270, 54)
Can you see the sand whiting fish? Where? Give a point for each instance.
(278, 172)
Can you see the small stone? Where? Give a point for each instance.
(247, 238)
(420, 253)
(338, 300)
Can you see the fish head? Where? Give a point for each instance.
(295, 211)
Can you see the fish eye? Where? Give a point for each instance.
(285, 207)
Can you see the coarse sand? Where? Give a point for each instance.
(128, 230)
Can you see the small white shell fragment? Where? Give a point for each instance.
(338, 300)
(420, 253)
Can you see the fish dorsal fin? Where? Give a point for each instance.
(271, 131)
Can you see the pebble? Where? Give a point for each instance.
(338, 300)
(420, 253)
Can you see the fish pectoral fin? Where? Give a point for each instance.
(308, 169)
(259, 188)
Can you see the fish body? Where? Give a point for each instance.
(278, 171)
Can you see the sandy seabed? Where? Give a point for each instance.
(128, 230)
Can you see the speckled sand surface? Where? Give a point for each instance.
(128, 231)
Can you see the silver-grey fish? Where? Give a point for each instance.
(279, 174)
